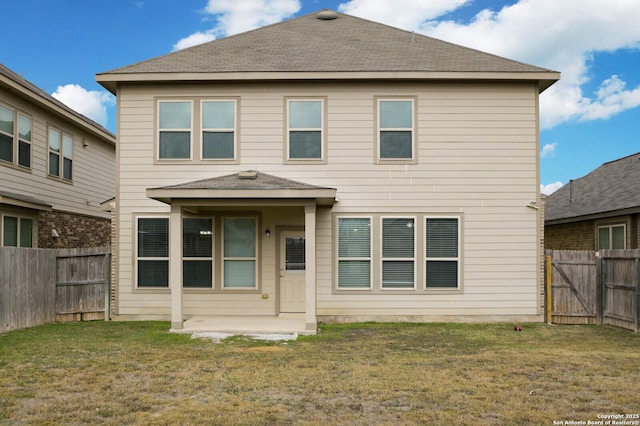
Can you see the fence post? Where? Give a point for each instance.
(602, 276)
(107, 283)
(599, 290)
(637, 324)
(548, 304)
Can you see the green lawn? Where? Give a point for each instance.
(137, 373)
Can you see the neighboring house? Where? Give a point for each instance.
(598, 211)
(56, 167)
(330, 167)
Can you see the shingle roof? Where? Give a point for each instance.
(47, 100)
(247, 186)
(611, 189)
(342, 44)
(245, 180)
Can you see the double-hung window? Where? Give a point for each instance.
(305, 135)
(24, 140)
(12, 136)
(7, 123)
(17, 231)
(174, 127)
(152, 258)
(240, 252)
(442, 253)
(218, 130)
(197, 252)
(396, 132)
(60, 154)
(354, 253)
(612, 237)
(398, 253)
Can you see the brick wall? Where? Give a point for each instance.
(74, 230)
(570, 236)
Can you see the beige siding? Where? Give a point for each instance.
(93, 165)
(477, 149)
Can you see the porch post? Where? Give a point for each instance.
(175, 265)
(310, 270)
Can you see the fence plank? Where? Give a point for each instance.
(29, 295)
(589, 290)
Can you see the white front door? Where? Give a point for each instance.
(292, 272)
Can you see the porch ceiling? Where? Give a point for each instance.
(248, 185)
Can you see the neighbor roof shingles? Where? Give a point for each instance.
(611, 188)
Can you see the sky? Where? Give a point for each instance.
(588, 118)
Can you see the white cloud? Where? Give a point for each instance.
(194, 39)
(548, 150)
(236, 16)
(561, 35)
(90, 103)
(550, 188)
(407, 14)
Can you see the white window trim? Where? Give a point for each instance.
(610, 227)
(60, 154)
(159, 130)
(457, 258)
(414, 259)
(412, 129)
(225, 258)
(19, 140)
(204, 129)
(322, 130)
(16, 139)
(370, 258)
(19, 218)
(136, 258)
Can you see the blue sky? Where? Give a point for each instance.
(592, 116)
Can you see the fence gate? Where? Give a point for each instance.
(621, 288)
(82, 277)
(574, 282)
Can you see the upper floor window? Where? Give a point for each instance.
(60, 154)
(218, 129)
(305, 129)
(17, 231)
(174, 124)
(15, 138)
(612, 237)
(395, 129)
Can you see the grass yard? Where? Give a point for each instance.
(137, 373)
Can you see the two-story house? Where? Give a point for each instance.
(331, 168)
(57, 167)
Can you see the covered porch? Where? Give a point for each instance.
(290, 209)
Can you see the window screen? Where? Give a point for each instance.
(354, 252)
(442, 253)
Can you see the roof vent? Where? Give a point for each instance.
(249, 174)
(327, 15)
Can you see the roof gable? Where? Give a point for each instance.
(10, 79)
(312, 44)
(610, 190)
(245, 185)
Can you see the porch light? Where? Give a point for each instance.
(267, 233)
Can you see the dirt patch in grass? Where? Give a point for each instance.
(137, 373)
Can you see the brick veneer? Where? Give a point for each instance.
(570, 236)
(74, 230)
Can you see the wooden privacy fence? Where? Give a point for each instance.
(595, 288)
(40, 286)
